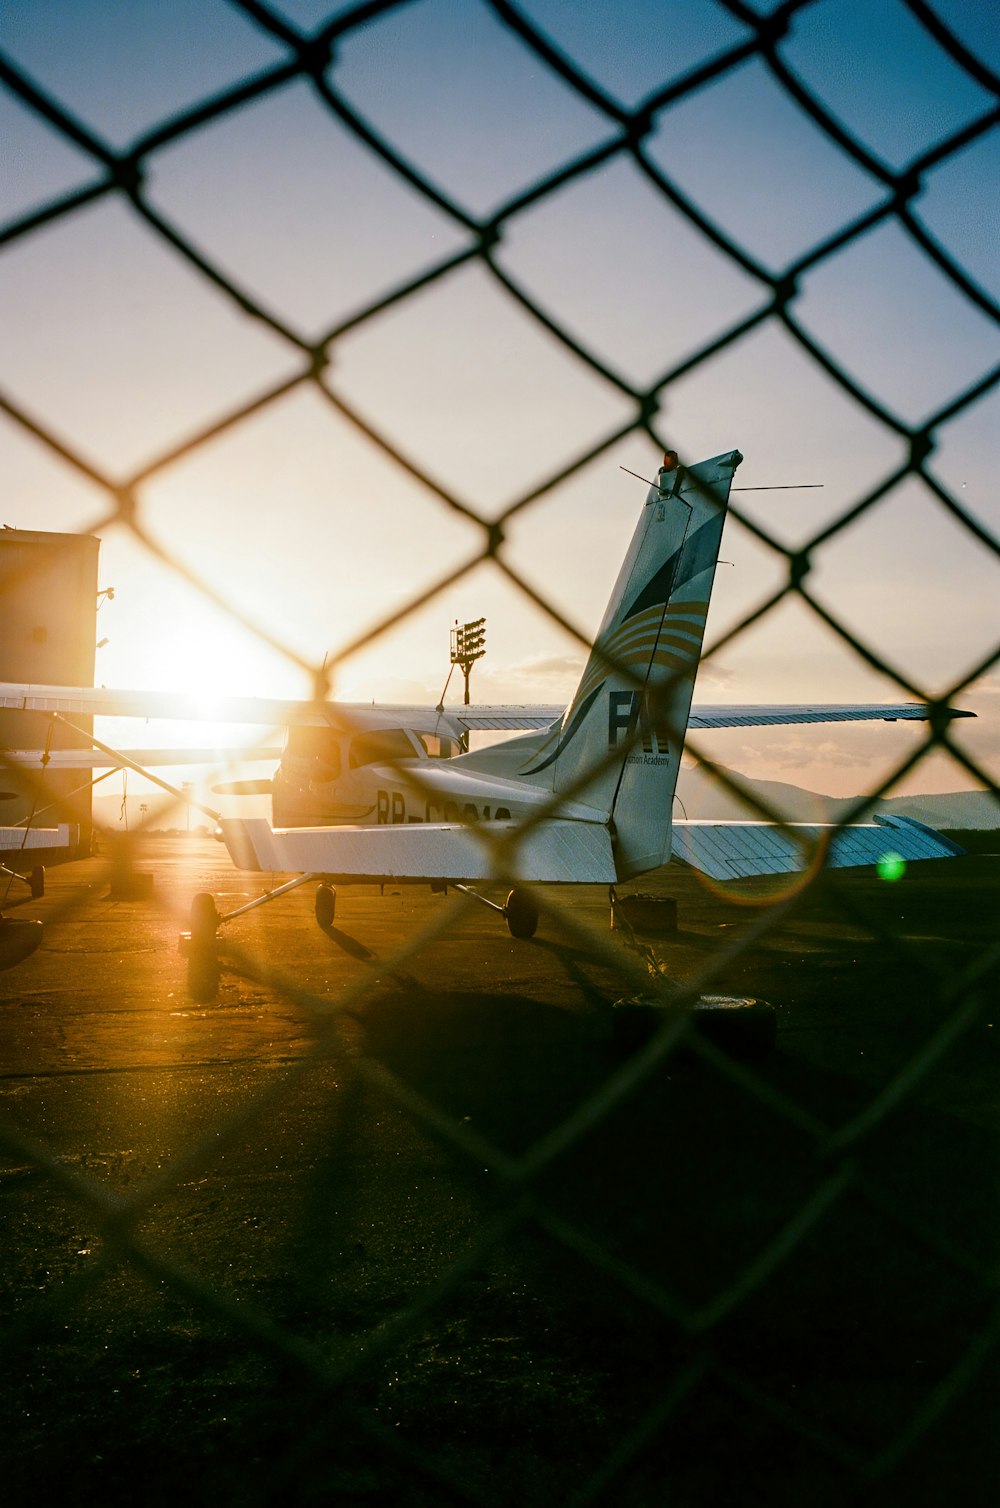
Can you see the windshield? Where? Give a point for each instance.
(381, 748)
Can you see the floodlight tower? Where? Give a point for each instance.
(468, 644)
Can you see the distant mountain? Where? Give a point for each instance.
(701, 795)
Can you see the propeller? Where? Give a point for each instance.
(244, 788)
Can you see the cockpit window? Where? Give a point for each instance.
(383, 747)
(438, 745)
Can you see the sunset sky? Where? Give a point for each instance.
(121, 350)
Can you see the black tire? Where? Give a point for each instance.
(326, 906)
(204, 921)
(521, 913)
(18, 940)
(203, 956)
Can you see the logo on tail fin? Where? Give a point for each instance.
(632, 712)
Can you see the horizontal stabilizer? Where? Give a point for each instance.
(66, 835)
(554, 852)
(737, 850)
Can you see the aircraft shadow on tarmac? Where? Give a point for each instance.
(356, 949)
(573, 960)
(347, 943)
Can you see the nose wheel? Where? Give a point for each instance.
(202, 950)
(200, 945)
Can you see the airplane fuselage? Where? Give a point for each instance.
(335, 788)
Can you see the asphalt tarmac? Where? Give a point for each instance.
(410, 1212)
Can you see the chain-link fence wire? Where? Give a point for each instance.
(843, 1153)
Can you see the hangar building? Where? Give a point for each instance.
(48, 602)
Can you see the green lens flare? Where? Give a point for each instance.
(891, 866)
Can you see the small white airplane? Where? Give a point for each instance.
(379, 794)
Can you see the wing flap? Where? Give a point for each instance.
(505, 718)
(104, 701)
(781, 715)
(554, 852)
(739, 850)
(86, 759)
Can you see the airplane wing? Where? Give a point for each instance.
(104, 701)
(270, 712)
(737, 850)
(555, 852)
(851, 712)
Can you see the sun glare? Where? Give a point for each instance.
(190, 649)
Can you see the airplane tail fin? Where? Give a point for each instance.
(627, 719)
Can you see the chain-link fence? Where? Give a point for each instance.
(646, 1277)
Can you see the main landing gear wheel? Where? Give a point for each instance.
(521, 913)
(203, 954)
(326, 906)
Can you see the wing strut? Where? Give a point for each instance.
(130, 764)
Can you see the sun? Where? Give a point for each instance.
(178, 643)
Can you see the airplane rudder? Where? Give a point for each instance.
(652, 721)
(650, 638)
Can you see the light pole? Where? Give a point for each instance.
(468, 644)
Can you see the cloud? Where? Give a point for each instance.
(712, 674)
(547, 667)
(795, 753)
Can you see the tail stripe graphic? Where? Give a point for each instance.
(634, 642)
(695, 555)
(567, 733)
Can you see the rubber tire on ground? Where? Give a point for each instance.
(326, 905)
(204, 920)
(521, 913)
(203, 957)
